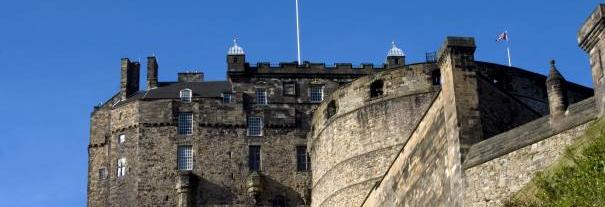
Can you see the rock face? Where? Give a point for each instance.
(315, 135)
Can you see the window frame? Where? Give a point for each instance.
(186, 95)
(184, 157)
(182, 127)
(255, 165)
(250, 128)
(225, 95)
(121, 167)
(261, 97)
(303, 161)
(121, 138)
(321, 93)
(102, 173)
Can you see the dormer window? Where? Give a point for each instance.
(185, 95)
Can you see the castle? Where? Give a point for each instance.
(451, 131)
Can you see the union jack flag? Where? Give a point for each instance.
(502, 37)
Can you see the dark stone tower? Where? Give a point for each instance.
(395, 57)
(557, 93)
(129, 81)
(152, 73)
(236, 58)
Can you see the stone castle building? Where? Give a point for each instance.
(451, 131)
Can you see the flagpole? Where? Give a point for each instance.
(508, 49)
(297, 34)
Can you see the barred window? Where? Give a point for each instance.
(227, 97)
(186, 123)
(121, 167)
(255, 126)
(316, 93)
(121, 138)
(254, 162)
(289, 89)
(185, 95)
(185, 157)
(102, 174)
(261, 96)
(303, 163)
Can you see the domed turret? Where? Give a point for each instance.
(236, 58)
(235, 49)
(395, 51)
(395, 57)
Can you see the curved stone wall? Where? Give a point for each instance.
(352, 149)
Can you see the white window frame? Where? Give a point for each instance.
(121, 167)
(254, 126)
(184, 157)
(185, 128)
(121, 138)
(261, 96)
(321, 93)
(186, 95)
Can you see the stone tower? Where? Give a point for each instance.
(590, 38)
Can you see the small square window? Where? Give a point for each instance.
(102, 174)
(316, 94)
(121, 138)
(227, 97)
(255, 126)
(289, 89)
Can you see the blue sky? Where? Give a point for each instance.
(60, 58)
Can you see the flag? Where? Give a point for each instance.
(502, 37)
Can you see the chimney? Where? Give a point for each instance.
(152, 73)
(129, 81)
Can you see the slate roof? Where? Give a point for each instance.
(170, 90)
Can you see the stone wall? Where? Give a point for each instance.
(353, 148)
(418, 175)
(502, 165)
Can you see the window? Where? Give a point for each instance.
(376, 88)
(289, 89)
(255, 126)
(186, 123)
(254, 158)
(331, 109)
(185, 158)
(121, 167)
(316, 93)
(102, 174)
(302, 159)
(436, 77)
(261, 96)
(185, 95)
(279, 201)
(227, 97)
(121, 138)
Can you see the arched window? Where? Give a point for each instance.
(376, 88)
(436, 77)
(279, 201)
(331, 109)
(185, 95)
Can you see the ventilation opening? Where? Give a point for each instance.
(376, 88)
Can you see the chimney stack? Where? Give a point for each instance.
(152, 72)
(129, 81)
